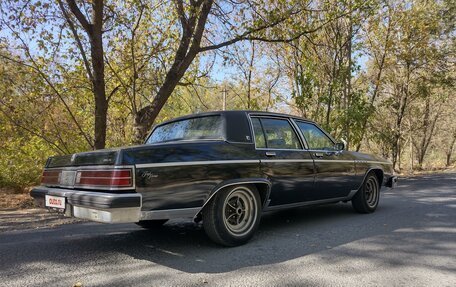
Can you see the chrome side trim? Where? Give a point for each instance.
(307, 203)
(286, 149)
(90, 167)
(327, 151)
(170, 213)
(318, 160)
(371, 161)
(186, 163)
(335, 160)
(238, 183)
(286, 160)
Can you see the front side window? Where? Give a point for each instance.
(275, 134)
(316, 138)
(209, 127)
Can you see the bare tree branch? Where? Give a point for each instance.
(78, 14)
(77, 39)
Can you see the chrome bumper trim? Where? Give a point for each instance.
(170, 213)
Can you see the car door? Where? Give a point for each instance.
(335, 174)
(284, 161)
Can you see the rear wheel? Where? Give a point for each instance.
(367, 198)
(152, 224)
(233, 215)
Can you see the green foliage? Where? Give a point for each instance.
(379, 74)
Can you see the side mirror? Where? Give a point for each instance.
(340, 146)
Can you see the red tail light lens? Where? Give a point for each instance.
(105, 178)
(50, 177)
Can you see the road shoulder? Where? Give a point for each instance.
(34, 218)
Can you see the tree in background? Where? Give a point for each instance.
(201, 26)
(418, 60)
(379, 74)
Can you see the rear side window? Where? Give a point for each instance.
(209, 127)
(260, 141)
(274, 134)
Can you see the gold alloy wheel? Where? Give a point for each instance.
(240, 211)
(371, 192)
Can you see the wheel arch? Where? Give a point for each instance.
(261, 184)
(379, 173)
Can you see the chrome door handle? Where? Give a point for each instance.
(270, 153)
(319, 154)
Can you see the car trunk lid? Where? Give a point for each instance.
(101, 157)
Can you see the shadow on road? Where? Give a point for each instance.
(420, 211)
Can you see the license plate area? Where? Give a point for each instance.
(67, 178)
(55, 202)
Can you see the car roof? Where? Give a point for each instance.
(233, 112)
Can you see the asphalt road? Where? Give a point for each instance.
(409, 241)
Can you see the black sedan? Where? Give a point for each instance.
(224, 168)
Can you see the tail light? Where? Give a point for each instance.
(115, 178)
(50, 177)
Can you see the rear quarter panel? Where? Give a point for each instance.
(183, 175)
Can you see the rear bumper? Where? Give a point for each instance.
(95, 206)
(391, 182)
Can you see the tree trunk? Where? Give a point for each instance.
(377, 84)
(348, 82)
(189, 46)
(428, 129)
(147, 115)
(249, 76)
(331, 90)
(449, 151)
(99, 89)
(94, 30)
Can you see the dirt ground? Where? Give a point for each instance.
(17, 212)
(14, 200)
(34, 218)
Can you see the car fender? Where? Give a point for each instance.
(262, 181)
(372, 168)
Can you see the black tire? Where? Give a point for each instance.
(367, 198)
(233, 215)
(152, 224)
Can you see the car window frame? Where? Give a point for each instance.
(290, 122)
(295, 121)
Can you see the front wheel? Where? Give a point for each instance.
(367, 197)
(233, 215)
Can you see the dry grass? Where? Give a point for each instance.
(427, 171)
(15, 199)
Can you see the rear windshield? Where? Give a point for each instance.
(209, 127)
